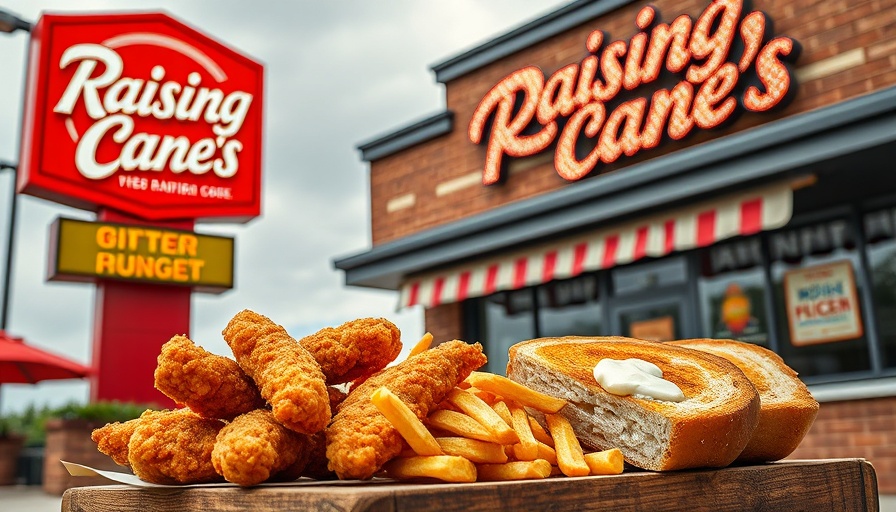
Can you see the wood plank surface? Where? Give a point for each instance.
(840, 485)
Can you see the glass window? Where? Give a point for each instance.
(820, 330)
(660, 322)
(880, 231)
(509, 318)
(732, 292)
(569, 308)
(636, 278)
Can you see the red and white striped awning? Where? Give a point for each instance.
(700, 225)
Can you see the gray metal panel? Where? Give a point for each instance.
(422, 131)
(763, 153)
(524, 37)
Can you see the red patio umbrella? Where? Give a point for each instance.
(23, 363)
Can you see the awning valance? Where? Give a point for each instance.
(698, 225)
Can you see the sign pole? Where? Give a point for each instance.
(131, 323)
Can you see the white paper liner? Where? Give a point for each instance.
(130, 479)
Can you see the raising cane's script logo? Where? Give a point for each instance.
(142, 114)
(584, 109)
(116, 103)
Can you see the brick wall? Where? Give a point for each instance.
(857, 428)
(445, 322)
(69, 440)
(849, 49)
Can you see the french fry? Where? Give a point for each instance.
(540, 433)
(569, 452)
(405, 422)
(516, 392)
(527, 449)
(460, 424)
(518, 470)
(486, 396)
(484, 414)
(424, 344)
(503, 411)
(544, 452)
(606, 462)
(479, 452)
(448, 468)
(547, 453)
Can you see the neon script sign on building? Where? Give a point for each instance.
(142, 114)
(571, 106)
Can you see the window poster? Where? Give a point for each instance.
(822, 304)
(654, 329)
(739, 312)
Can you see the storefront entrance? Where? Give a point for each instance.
(651, 301)
(660, 321)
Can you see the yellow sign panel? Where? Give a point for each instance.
(85, 251)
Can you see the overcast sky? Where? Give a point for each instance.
(337, 73)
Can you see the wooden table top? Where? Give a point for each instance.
(811, 485)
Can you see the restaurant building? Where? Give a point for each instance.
(663, 170)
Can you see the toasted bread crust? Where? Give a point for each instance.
(709, 429)
(787, 409)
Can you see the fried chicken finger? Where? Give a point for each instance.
(112, 439)
(255, 448)
(212, 386)
(174, 447)
(287, 375)
(357, 348)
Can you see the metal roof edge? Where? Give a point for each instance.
(411, 135)
(524, 36)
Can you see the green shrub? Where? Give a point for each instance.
(10, 426)
(32, 421)
(102, 412)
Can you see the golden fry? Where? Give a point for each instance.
(607, 462)
(503, 411)
(424, 344)
(540, 433)
(516, 392)
(487, 397)
(405, 421)
(527, 449)
(569, 452)
(460, 424)
(480, 452)
(518, 470)
(484, 414)
(448, 468)
(547, 453)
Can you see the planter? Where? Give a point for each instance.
(10, 448)
(69, 440)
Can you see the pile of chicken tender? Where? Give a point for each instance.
(282, 408)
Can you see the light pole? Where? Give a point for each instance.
(10, 23)
(7, 274)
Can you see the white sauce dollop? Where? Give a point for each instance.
(636, 377)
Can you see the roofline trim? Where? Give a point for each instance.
(416, 133)
(528, 34)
